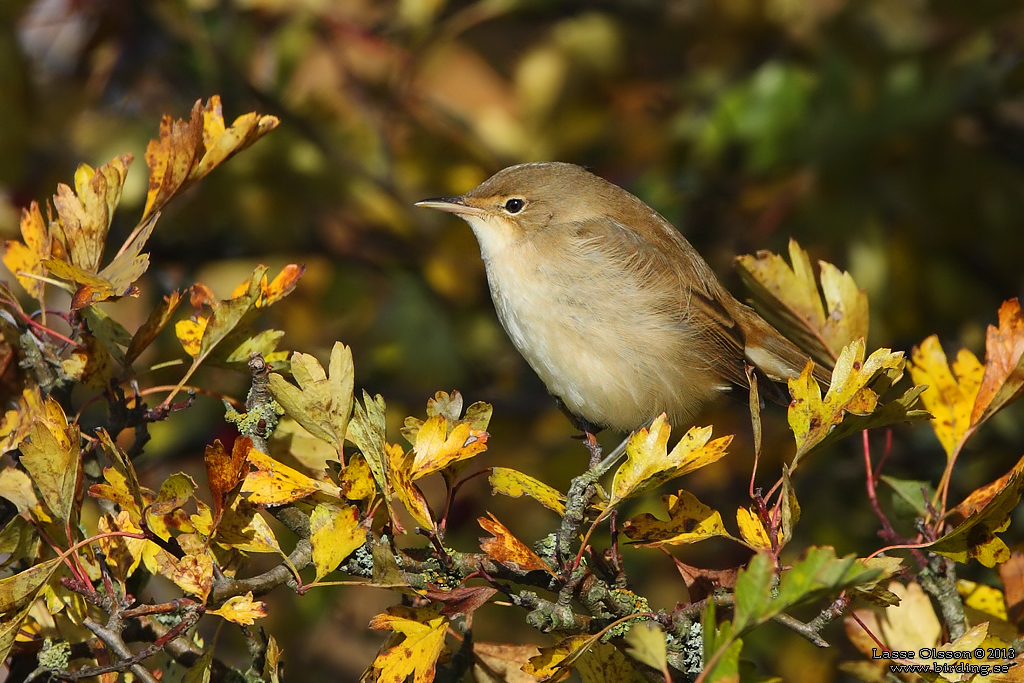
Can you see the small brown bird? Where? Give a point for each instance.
(619, 316)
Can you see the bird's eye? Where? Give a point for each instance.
(514, 205)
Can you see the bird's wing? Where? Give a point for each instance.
(694, 296)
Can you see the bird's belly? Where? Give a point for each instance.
(616, 366)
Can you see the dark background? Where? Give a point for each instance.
(886, 136)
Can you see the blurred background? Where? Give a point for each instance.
(887, 136)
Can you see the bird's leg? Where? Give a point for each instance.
(589, 435)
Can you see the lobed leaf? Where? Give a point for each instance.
(513, 483)
(689, 521)
(649, 464)
(417, 653)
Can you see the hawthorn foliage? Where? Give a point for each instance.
(68, 593)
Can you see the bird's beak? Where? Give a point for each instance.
(451, 205)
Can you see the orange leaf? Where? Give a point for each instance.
(507, 549)
(1004, 363)
(224, 470)
(171, 157)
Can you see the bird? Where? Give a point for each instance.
(611, 306)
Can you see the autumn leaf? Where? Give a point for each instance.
(401, 483)
(50, 455)
(976, 536)
(752, 529)
(951, 392)
(502, 663)
(157, 320)
(85, 212)
(435, 448)
(1003, 380)
(166, 513)
(17, 593)
(272, 483)
(460, 601)
(26, 259)
(356, 479)
(322, 402)
(243, 528)
(224, 470)
(368, 430)
(649, 464)
(689, 521)
(646, 644)
(89, 363)
(814, 419)
(416, 654)
(193, 574)
(789, 298)
(335, 533)
(241, 609)
(514, 484)
(449, 407)
(186, 151)
(507, 549)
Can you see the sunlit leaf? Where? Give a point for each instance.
(689, 521)
(399, 464)
(812, 418)
(26, 259)
(649, 464)
(951, 394)
(976, 536)
(1003, 380)
(416, 654)
(322, 402)
(507, 549)
(791, 300)
(241, 609)
(436, 449)
(272, 483)
(50, 454)
(514, 484)
(335, 532)
(752, 529)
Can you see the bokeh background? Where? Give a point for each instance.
(887, 136)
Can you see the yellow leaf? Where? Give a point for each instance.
(649, 464)
(1003, 380)
(976, 536)
(321, 403)
(16, 486)
(21, 589)
(435, 449)
(812, 418)
(241, 609)
(424, 630)
(243, 528)
(790, 299)
(220, 142)
(357, 480)
(514, 484)
(273, 483)
(752, 529)
(646, 643)
(950, 396)
(193, 574)
(509, 550)
(689, 521)
(89, 363)
(26, 259)
(50, 454)
(367, 430)
(190, 334)
(982, 598)
(165, 512)
(404, 488)
(171, 157)
(335, 533)
(123, 554)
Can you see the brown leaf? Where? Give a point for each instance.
(171, 157)
(224, 471)
(460, 601)
(502, 663)
(1011, 573)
